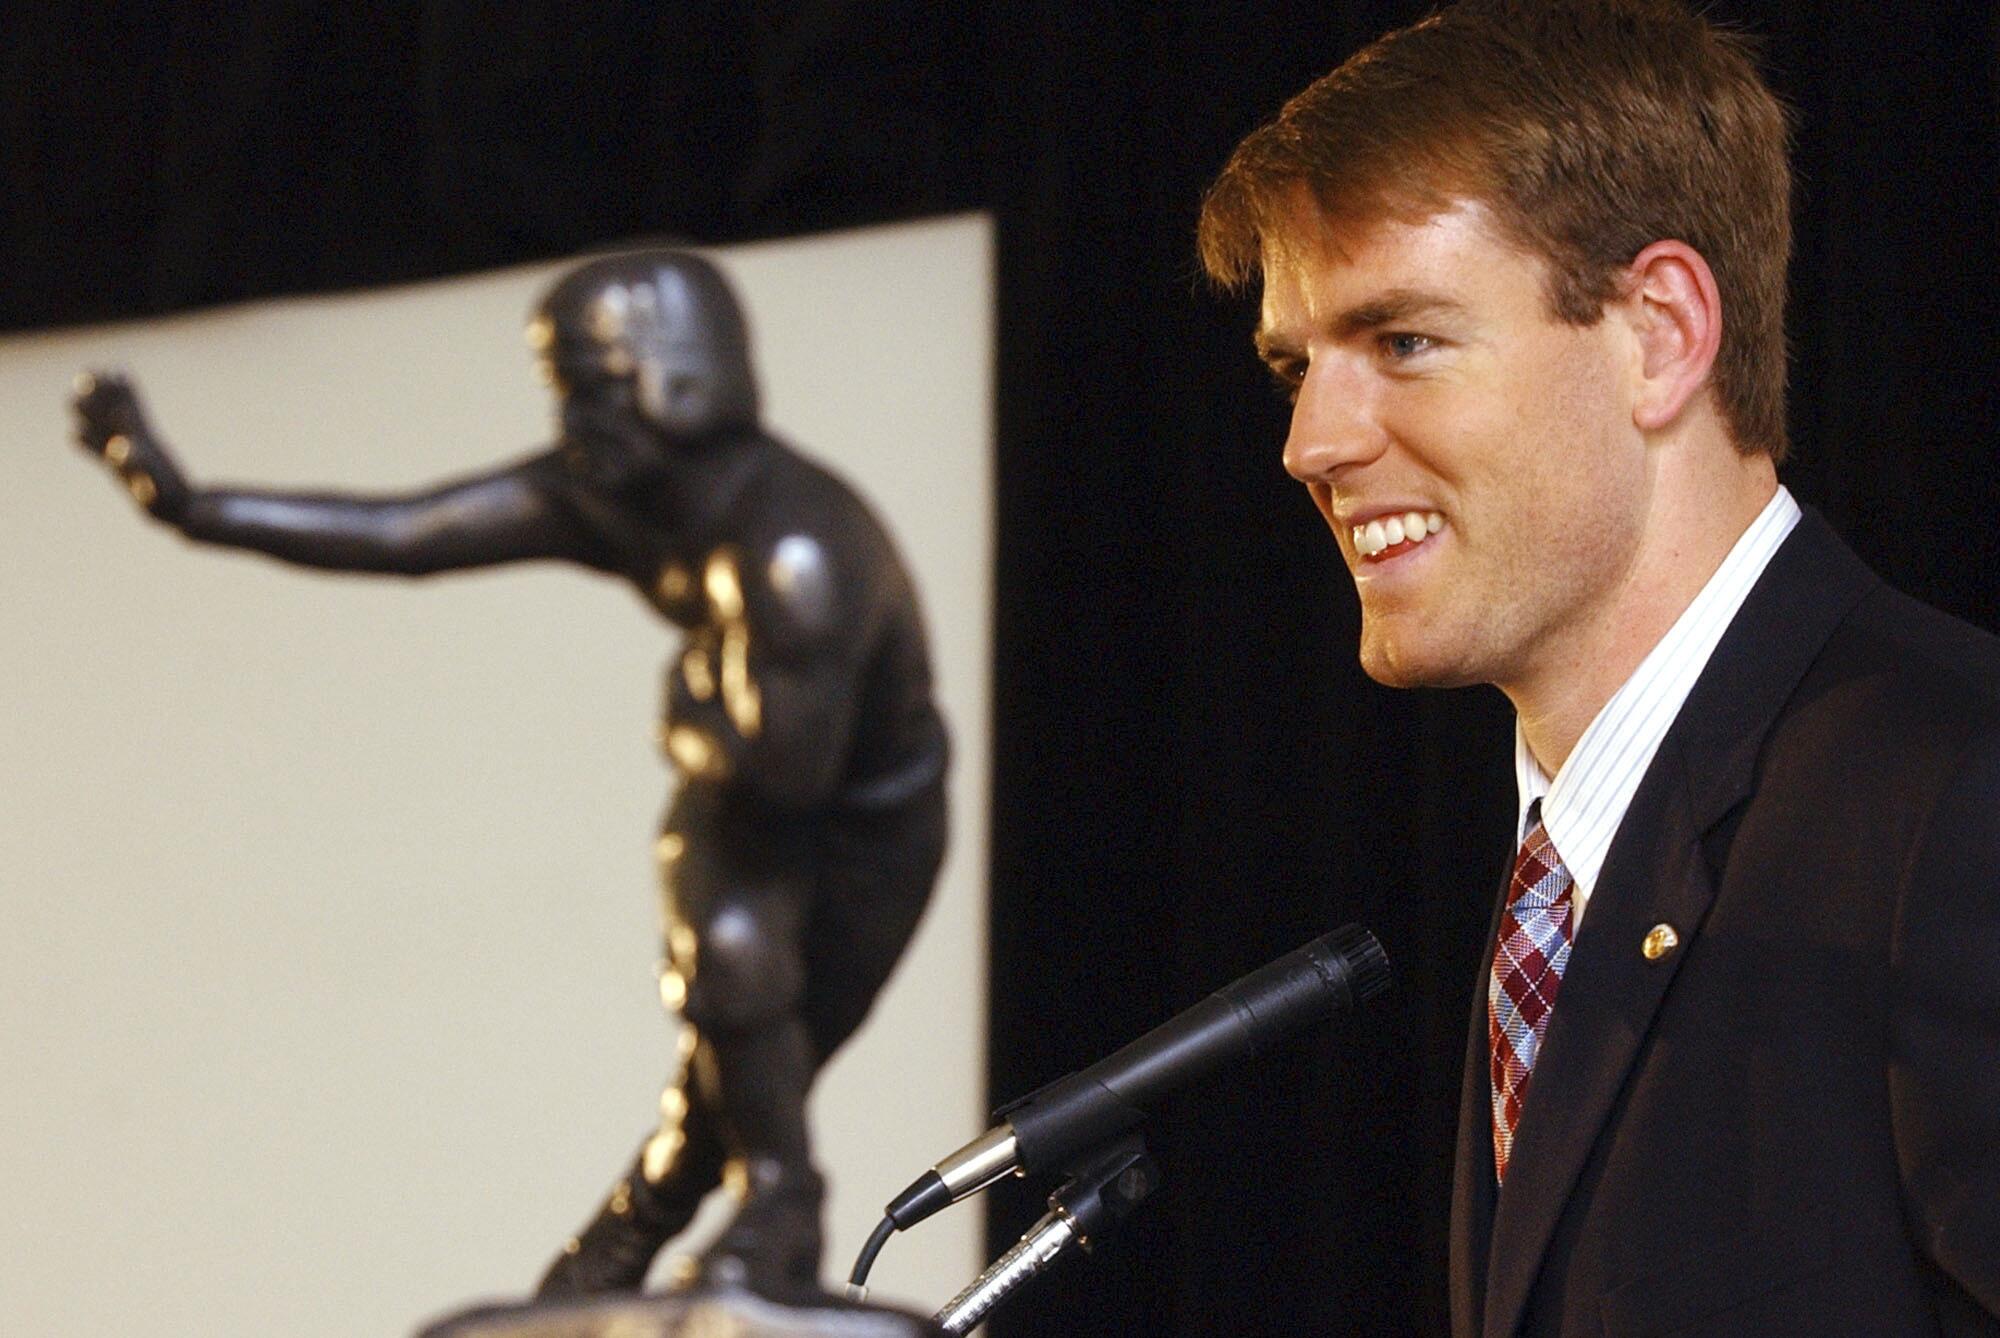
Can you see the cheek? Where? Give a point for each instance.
(1588, 444)
(1468, 440)
(1585, 482)
(1604, 459)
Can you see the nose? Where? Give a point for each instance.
(1334, 424)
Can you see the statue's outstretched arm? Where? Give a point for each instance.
(497, 517)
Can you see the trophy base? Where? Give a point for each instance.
(699, 1312)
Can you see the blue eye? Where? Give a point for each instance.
(1401, 346)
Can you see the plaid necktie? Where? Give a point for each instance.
(1527, 970)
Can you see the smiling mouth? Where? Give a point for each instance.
(1391, 536)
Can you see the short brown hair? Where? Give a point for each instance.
(1590, 128)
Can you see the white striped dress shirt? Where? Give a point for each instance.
(1586, 801)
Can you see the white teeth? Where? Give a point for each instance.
(1412, 527)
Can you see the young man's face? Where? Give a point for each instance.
(1434, 389)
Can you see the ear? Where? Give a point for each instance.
(1676, 313)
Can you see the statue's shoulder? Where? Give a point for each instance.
(796, 488)
(816, 564)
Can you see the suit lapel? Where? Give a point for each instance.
(1472, 1168)
(1606, 1005)
(1655, 873)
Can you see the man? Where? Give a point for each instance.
(809, 824)
(1736, 1065)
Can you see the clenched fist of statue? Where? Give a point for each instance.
(111, 425)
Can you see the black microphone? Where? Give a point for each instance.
(1075, 1114)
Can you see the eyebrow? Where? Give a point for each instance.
(1393, 307)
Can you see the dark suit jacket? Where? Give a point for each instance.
(1791, 1123)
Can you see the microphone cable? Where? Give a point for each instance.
(857, 1288)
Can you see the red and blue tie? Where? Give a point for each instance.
(1527, 970)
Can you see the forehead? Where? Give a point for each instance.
(1318, 271)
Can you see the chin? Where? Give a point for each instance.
(1397, 664)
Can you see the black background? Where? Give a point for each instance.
(1191, 776)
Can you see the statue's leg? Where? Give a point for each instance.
(874, 873)
(754, 1071)
(682, 1160)
(651, 1204)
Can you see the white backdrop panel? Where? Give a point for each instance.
(329, 901)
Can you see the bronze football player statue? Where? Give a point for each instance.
(807, 828)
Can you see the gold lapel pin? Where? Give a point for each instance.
(1660, 941)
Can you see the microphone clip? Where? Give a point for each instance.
(1102, 1188)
